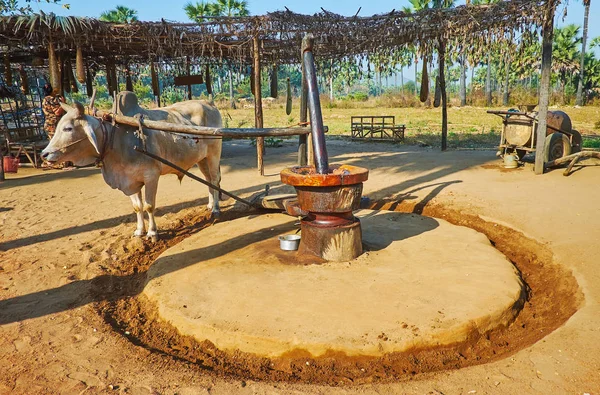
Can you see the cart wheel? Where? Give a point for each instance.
(521, 153)
(577, 142)
(557, 146)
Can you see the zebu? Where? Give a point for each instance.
(83, 140)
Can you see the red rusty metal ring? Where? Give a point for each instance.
(338, 175)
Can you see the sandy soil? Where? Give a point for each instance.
(62, 231)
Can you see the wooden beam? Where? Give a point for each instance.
(204, 131)
(442, 81)
(189, 85)
(258, 111)
(2, 178)
(547, 35)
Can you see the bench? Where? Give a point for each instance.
(28, 140)
(381, 127)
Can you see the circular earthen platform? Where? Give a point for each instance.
(421, 282)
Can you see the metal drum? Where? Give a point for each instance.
(518, 127)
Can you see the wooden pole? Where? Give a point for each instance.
(442, 81)
(258, 112)
(2, 178)
(547, 35)
(205, 131)
(187, 66)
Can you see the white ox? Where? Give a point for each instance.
(84, 140)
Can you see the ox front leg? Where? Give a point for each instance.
(150, 189)
(138, 207)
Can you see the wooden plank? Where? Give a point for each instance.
(183, 80)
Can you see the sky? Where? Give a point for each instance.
(152, 10)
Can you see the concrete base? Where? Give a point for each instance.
(421, 282)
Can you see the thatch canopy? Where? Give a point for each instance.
(230, 39)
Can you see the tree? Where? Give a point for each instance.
(228, 8)
(231, 8)
(120, 14)
(416, 5)
(199, 11)
(18, 7)
(579, 100)
(488, 78)
(565, 54)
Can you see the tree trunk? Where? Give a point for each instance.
(442, 85)
(488, 83)
(506, 81)
(402, 80)
(547, 34)
(472, 78)
(258, 111)
(231, 98)
(416, 75)
(463, 80)
(579, 100)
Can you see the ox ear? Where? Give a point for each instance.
(91, 135)
(80, 111)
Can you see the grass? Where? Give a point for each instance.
(468, 127)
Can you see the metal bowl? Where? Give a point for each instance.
(289, 242)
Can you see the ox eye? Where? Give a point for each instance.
(68, 129)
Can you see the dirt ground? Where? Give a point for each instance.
(65, 233)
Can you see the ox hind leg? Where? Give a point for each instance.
(150, 189)
(138, 207)
(212, 172)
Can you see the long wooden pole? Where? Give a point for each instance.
(188, 68)
(202, 130)
(442, 75)
(548, 32)
(258, 113)
(2, 178)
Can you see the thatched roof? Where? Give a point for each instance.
(230, 39)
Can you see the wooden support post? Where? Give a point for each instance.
(155, 83)
(187, 66)
(302, 140)
(442, 81)
(258, 112)
(547, 35)
(1, 167)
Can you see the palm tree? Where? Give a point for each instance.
(231, 8)
(228, 8)
(565, 53)
(579, 100)
(488, 77)
(200, 11)
(415, 6)
(120, 14)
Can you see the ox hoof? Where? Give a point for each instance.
(152, 236)
(139, 233)
(215, 214)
